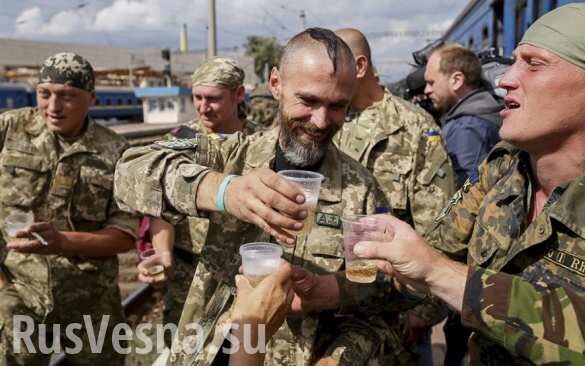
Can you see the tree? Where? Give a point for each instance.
(266, 53)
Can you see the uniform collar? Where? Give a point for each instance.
(261, 154)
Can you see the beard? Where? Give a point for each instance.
(300, 153)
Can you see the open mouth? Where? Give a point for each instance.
(511, 104)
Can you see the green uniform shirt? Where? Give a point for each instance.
(526, 289)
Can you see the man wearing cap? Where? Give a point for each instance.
(519, 228)
(244, 197)
(218, 96)
(58, 164)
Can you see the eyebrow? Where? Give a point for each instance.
(313, 97)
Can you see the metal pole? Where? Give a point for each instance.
(131, 71)
(303, 20)
(211, 32)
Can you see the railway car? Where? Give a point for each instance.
(498, 24)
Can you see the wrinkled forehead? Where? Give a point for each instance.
(59, 88)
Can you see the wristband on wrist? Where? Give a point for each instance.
(219, 199)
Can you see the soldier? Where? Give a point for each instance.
(313, 84)
(519, 227)
(263, 106)
(402, 146)
(58, 164)
(218, 95)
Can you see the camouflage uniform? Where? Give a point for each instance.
(190, 233)
(169, 190)
(526, 285)
(401, 145)
(263, 106)
(190, 236)
(70, 185)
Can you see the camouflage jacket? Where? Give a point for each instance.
(525, 293)
(190, 233)
(401, 145)
(72, 187)
(169, 188)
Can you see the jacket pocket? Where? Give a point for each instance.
(93, 193)
(392, 172)
(23, 179)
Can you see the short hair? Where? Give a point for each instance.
(455, 58)
(337, 50)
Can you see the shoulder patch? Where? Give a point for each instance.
(433, 135)
(178, 144)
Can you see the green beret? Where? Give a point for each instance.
(68, 69)
(219, 71)
(562, 32)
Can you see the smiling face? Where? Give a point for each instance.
(545, 101)
(313, 103)
(217, 106)
(64, 108)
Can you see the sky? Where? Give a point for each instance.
(394, 28)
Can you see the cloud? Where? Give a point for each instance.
(129, 14)
(31, 21)
(389, 24)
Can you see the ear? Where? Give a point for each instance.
(240, 93)
(361, 66)
(92, 97)
(275, 83)
(456, 81)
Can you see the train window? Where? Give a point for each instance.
(9, 103)
(108, 101)
(129, 101)
(120, 101)
(161, 104)
(98, 101)
(170, 105)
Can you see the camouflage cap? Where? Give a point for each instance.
(219, 71)
(68, 69)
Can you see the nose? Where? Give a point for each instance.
(320, 118)
(203, 105)
(428, 89)
(55, 105)
(509, 80)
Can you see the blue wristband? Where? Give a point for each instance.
(221, 192)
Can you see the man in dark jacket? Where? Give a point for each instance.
(470, 119)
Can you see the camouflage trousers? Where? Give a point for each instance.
(184, 265)
(21, 310)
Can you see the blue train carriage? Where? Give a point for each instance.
(498, 24)
(16, 95)
(118, 103)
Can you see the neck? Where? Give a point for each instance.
(464, 92)
(553, 168)
(367, 93)
(232, 126)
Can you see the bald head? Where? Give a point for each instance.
(313, 41)
(356, 41)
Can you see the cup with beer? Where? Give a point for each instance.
(153, 265)
(259, 260)
(358, 228)
(310, 183)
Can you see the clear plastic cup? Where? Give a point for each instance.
(259, 260)
(17, 220)
(153, 264)
(358, 228)
(310, 183)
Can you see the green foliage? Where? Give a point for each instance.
(266, 53)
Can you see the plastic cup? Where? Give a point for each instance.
(153, 265)
(17, 220)
(358, 228)
(310, 183)
(259, 260)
